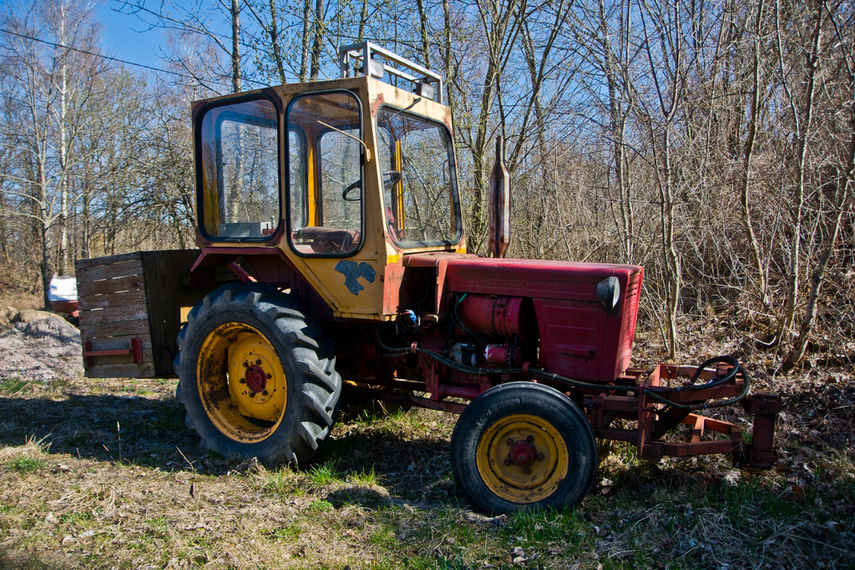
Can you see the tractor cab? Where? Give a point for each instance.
(337, 180)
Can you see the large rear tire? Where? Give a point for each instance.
(523, 446)
(256, 375)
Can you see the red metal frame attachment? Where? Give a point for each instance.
(135, 351)
(653, 418)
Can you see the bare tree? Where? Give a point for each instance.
(499, 24)
(838, 189)
(50, 107)
(748, 156)
(665, 52)
(199, 22)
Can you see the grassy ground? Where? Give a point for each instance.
(103, 474)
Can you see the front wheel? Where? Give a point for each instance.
(523, 446)
(256, 375)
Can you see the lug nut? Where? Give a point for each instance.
(540, 456)
(269, 376)
(530, 438)
(264, 393)
(508, 462)
(510, 442)
(526, 470)
(243, 381)
(258, 362)
(246, 364)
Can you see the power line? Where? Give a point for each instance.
(58, 45)
(110, 58)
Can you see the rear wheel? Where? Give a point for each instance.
(523, 446)
(257, 378)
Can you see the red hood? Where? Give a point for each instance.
(532, 278)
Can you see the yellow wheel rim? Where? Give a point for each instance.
(241, 383)
(522, 458)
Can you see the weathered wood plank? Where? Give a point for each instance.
(110, 271)
(110, 286)
(130, 297)
(101, 330)
(164, 273)
(134, 295)
(107, 260)
(112, 314)
(145, 370)
(118, 342)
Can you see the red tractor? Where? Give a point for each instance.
(333, 258)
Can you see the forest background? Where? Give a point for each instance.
(712, 142)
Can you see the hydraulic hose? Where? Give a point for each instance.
(704, 405)
(656, 393)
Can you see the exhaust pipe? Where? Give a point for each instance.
(500, 203)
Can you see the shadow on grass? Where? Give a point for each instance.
(397, 472)
(136, 430)
(150, 432)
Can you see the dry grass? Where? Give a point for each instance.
(103, 474)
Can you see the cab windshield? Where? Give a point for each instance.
(420, 187)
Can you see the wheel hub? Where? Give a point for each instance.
(242, 382)
(256, 378)
(522, 453)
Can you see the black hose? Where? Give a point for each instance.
(704, 405)
(735, 366)
(655, 393)
(391, 352)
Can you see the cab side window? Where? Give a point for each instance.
(325, 173)
(240, 171)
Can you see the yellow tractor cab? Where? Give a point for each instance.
(341, 178)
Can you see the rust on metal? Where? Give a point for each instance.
(241, 273)
(765, 407)
(135, 351)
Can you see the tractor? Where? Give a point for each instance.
(332, 266)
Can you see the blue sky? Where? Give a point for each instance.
(127, 38)
(123, 36)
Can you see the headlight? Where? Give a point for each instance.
(608, 292)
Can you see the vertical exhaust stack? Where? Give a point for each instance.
(500, 203)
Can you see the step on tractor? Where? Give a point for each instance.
(332, 268)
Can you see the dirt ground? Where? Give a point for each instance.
(104, 474)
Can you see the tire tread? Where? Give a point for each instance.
(318, 386)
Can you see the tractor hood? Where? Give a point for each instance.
(586, 312)
(533, 278)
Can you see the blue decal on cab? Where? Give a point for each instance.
(352, 271)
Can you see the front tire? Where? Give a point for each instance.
(523, 446)
(256, 375)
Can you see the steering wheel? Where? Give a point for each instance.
(345, 194)
(390, 178)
